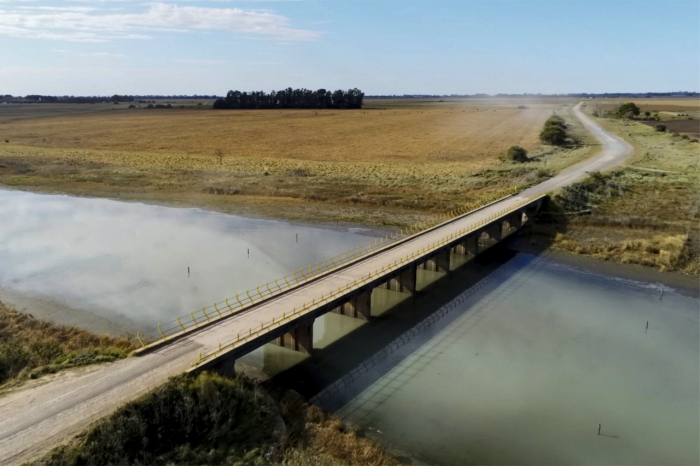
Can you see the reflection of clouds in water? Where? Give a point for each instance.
(132, 259)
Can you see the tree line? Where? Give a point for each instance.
(292, 98)
(79, 99)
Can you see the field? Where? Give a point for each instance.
(663, 106)
(645, 213)
(689, 127)
(383, 165)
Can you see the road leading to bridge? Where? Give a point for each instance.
(35, 419)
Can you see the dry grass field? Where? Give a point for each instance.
(648, 212)
(680, 105)
(472, 135)
(373, 166)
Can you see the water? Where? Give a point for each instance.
(128, 262)
(516, 360)
(522, 370)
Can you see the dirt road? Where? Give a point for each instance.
(35, 419)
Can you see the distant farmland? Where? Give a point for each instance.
(689, 127)
(384, 165)
(454, 133)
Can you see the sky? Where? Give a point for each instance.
(105, 47)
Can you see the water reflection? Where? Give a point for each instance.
(523, 367)
(129, 262)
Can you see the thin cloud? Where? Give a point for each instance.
(90, 54)
(78, 25)
(205, 61)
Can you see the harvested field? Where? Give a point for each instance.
(10, 112)
(665, 108)
(407, 135)
(367, 166)
(689, 127)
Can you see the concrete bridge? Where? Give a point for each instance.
(284, 315)
(37, 418)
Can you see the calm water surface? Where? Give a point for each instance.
(523, 368)
(515, 364)
(128, 261)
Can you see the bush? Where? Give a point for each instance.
(13, 358)
(555, 121)
(553, 135)
(210, 419)
(627, 110)
(660, 128)
(591, 191)
(516, 154)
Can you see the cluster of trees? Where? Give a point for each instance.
(554, 131)
(292, 98)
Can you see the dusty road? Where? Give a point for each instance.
(35, 419)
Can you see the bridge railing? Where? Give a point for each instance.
(241, 301)
(254, 332)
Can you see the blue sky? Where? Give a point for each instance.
(91, 47)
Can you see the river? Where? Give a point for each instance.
(133, 265)
(517, 359)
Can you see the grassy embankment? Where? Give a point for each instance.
(391, 166)
(30, 348)
(210, 419)
(206, 419)
(645, 213)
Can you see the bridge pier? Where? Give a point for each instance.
(468, 247)
(404, 282)
(359, 306)
(225, 366)
(299, 339)
(490, 235)
(438, 262)
(515, 220)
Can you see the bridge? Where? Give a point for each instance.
(37, 418)
(283, 313)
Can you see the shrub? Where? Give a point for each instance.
(627, 110)
(660, 128)
(46, 351)
(555, 121)
(13, 358)
(553, 135)
(516, 154)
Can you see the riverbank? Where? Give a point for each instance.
(210, 419)
(32, 347)
(643, 213)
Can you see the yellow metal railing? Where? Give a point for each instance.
(244, 337)
(245, 299)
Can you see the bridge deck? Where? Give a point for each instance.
(244, 331)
